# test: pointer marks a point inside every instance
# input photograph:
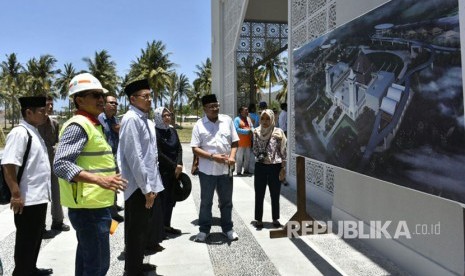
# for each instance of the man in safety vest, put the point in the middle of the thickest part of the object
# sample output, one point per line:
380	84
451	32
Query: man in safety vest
86	167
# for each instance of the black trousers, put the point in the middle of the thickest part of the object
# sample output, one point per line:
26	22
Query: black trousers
29	227
137	225
267	174
169	180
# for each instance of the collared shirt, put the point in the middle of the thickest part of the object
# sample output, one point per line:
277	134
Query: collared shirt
49	132
111	136
244	129
35	182
72	142
137	153
215	138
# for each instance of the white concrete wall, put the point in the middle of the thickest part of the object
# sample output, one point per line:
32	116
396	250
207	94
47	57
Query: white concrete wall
357	197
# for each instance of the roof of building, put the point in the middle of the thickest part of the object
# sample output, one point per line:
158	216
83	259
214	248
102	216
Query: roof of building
388	106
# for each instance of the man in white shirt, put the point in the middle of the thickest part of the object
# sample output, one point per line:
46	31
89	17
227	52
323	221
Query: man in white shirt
138	161
29	195
215	141
282	119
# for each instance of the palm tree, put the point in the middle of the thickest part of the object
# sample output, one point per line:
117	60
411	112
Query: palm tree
12	82
194	95
154	65
62	83
40	75
182	87
282	93
204	76
171	89
104	69
269	73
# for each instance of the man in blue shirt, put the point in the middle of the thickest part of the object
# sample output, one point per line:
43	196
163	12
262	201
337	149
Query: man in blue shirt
111	127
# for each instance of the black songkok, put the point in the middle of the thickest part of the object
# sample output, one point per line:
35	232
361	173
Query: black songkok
135	86
35	101
211	98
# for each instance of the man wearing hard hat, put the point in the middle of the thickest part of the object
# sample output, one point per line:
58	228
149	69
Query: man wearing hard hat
86	167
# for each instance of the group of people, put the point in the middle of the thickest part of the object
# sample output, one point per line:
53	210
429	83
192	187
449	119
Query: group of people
95	156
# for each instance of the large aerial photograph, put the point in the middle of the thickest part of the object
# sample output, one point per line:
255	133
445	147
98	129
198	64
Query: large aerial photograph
383	96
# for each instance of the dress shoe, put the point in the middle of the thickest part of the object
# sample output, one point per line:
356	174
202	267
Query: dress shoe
119	208
259	225
148	267
42	271
119	218
60	226
153	250
277	224
46	235
171	230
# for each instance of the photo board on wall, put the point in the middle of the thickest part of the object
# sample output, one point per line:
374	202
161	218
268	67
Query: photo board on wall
383	96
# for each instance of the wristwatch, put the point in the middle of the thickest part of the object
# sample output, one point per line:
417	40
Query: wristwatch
211	157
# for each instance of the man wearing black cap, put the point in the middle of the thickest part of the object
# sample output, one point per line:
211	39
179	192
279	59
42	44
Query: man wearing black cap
137	159
30	192
215	141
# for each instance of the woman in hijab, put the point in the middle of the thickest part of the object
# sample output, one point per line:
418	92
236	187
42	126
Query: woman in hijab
169	161
269	148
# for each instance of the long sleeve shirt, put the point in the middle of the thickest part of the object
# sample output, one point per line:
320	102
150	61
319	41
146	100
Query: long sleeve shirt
137	153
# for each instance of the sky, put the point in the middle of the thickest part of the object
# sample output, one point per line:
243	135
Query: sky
72	30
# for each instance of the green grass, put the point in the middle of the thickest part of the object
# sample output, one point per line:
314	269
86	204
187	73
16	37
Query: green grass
185	134
2	138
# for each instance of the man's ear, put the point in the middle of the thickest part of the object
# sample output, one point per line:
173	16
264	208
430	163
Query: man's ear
29	112
79	100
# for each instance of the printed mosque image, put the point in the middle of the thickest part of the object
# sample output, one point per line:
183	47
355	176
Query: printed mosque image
382	95
353	88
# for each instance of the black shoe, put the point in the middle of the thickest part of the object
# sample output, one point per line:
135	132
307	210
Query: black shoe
148	267
259	225
153	250
60	227
42	271
119	208
277	224
46	235
171	230
119	218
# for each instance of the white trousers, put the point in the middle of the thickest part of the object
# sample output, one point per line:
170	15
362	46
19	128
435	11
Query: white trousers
242	159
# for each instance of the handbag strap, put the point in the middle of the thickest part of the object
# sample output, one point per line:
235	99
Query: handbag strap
26	156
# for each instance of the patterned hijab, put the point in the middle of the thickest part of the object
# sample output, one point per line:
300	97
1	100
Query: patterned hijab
262	132
159	118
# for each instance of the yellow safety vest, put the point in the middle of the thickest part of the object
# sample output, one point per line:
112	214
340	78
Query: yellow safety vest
96	157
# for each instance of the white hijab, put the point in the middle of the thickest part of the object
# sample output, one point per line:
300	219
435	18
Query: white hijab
159	123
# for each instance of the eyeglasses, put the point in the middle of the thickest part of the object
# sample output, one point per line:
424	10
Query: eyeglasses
147	97
113	103
94	94
212	106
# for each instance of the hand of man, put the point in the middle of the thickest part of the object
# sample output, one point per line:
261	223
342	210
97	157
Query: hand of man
149	199
178	171
113	182
231	161
17	204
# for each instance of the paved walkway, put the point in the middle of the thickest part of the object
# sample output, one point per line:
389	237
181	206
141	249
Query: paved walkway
253	254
